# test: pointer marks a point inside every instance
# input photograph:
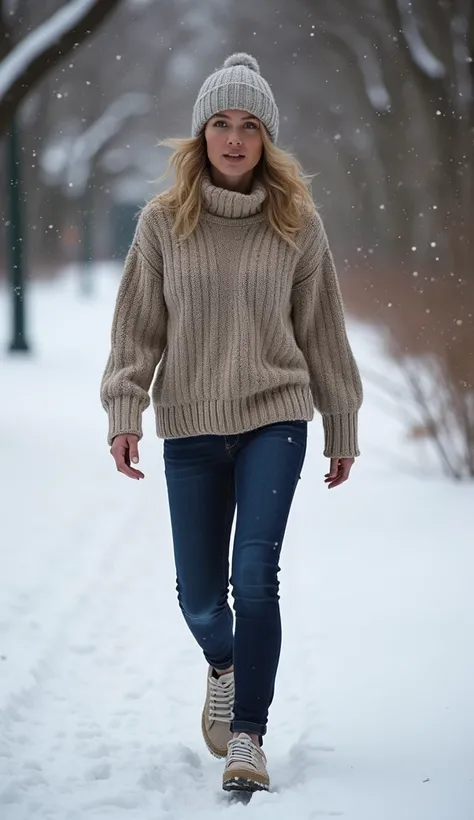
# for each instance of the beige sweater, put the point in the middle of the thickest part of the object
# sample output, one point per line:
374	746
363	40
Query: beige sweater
244	329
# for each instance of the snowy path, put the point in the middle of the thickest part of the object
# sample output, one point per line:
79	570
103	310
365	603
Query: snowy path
373	713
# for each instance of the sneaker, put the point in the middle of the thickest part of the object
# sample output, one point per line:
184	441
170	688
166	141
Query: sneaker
217	713
246	766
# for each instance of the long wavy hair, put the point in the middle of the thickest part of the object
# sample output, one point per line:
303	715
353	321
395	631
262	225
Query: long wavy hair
288	197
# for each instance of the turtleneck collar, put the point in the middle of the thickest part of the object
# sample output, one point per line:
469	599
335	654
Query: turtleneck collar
232	204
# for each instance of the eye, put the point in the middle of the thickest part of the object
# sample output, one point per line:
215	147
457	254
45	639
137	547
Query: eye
218	123
252	125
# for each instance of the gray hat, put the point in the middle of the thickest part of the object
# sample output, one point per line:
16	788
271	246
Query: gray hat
238	85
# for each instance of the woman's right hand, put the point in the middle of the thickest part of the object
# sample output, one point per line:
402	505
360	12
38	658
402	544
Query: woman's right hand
125	450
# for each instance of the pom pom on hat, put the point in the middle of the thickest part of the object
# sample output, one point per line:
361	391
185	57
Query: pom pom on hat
241	58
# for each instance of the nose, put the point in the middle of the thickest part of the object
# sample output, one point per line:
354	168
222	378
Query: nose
233	139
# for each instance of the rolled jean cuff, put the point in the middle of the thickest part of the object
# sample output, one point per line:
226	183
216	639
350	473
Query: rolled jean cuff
220	666
249	728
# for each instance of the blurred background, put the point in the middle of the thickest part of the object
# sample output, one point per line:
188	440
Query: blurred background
373	708
376	100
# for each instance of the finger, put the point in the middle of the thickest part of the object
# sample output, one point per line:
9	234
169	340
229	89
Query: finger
343	475
120	455
130	472
125	468
132	455
133	449
339	480
333	469
331	475
343	464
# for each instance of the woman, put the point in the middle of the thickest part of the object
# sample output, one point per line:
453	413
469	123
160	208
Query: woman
229	289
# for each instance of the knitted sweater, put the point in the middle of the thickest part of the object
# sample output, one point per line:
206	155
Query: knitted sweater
244	329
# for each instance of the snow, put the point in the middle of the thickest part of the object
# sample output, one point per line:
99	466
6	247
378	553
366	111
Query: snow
101	685
39	40
421	54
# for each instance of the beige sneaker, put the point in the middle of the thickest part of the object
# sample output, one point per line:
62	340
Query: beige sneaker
217	713
246	766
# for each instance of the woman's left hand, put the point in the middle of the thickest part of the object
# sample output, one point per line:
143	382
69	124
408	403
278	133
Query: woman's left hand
339	471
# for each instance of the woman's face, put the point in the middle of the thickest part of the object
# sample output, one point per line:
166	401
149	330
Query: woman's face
234	142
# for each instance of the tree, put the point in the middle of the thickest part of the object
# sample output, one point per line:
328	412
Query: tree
24	63
66	118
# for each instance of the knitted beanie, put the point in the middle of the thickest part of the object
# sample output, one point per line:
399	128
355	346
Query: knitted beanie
237	85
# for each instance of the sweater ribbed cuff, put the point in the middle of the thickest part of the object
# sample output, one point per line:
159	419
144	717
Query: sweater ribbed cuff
340	434
125	417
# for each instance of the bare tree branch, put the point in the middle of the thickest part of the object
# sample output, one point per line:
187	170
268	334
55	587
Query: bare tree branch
35	65
420	52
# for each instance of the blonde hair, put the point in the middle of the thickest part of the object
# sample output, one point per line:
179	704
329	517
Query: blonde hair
288	193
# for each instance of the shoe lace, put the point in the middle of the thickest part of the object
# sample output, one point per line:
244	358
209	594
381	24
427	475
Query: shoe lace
241	750
221	699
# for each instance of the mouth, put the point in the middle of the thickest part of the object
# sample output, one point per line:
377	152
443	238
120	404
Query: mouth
234	157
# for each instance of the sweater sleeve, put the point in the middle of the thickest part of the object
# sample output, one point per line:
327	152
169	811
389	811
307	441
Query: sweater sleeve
138	335
320	332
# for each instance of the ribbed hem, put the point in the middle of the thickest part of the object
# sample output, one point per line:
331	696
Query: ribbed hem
226	418
340	434
125	417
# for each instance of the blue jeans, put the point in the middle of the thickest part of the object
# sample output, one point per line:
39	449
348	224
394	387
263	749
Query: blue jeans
207	477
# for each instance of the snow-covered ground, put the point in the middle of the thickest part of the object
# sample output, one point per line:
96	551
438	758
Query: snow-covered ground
101	685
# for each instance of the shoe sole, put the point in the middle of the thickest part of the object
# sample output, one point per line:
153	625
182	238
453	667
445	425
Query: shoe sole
243	783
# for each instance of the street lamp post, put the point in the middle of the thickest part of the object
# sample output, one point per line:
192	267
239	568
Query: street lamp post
15	242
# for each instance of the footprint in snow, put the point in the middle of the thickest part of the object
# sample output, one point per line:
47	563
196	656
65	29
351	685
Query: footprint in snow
101	771
83	649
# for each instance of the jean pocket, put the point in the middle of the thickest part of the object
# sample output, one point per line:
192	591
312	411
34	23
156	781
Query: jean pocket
298	424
